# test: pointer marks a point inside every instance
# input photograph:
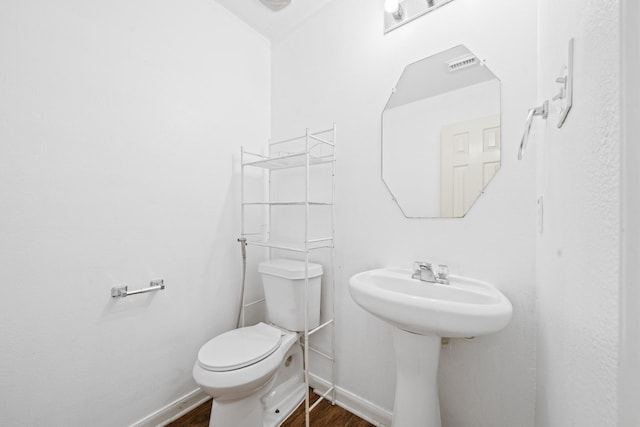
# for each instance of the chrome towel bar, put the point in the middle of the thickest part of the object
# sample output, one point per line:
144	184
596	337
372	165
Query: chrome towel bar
123	291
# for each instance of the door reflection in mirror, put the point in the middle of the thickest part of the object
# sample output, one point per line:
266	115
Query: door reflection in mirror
441	135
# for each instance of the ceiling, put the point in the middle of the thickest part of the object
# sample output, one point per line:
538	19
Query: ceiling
273	25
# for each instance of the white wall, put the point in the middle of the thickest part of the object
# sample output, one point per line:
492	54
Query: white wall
629	374
578	254
340	67
119	124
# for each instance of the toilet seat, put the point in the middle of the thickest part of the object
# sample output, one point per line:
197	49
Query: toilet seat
239	348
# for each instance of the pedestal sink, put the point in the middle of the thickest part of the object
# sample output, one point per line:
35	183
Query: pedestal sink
421	313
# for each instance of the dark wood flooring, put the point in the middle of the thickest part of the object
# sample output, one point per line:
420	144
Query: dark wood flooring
323	415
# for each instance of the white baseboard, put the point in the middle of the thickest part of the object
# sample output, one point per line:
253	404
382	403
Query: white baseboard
174	410
353	403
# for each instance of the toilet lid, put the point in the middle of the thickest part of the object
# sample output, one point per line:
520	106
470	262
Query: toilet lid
239	348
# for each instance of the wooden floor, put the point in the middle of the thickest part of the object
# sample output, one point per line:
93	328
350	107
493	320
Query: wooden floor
324	415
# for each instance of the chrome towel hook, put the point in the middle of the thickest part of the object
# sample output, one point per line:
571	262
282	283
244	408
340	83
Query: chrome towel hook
542	111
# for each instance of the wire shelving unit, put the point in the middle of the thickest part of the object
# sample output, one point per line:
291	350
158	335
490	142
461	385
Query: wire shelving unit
304	153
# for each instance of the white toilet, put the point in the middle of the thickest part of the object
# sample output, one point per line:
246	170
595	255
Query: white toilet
255	374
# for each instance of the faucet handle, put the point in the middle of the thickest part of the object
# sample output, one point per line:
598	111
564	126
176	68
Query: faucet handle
443	270
422	265
420	268
442	273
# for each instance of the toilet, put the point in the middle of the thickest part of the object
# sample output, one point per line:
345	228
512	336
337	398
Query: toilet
255	374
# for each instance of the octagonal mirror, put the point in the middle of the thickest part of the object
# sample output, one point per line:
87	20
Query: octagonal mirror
441	135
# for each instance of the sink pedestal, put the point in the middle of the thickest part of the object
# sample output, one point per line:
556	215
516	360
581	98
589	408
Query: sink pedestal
416	402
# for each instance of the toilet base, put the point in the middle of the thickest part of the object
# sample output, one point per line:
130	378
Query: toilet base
276	415
251	412
271	404
245	412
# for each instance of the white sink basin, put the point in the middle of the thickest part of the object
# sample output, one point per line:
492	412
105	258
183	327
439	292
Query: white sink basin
421	313
463	308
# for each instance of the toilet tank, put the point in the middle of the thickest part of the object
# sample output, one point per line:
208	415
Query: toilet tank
283	282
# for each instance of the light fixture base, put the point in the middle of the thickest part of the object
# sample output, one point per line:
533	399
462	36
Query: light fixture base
408	10
276	5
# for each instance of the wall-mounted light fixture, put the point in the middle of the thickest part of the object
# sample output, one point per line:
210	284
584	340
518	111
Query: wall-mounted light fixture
394	8
276	5
398	13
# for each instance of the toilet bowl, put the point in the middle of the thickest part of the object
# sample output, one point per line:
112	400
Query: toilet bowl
255	374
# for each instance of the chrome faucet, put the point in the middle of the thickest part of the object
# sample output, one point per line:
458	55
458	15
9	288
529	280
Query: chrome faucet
425	271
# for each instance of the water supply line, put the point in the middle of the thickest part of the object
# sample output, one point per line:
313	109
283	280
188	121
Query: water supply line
243	249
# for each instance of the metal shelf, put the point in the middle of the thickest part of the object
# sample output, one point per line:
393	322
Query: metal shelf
302	152
288	161
308	153
289	203
323	242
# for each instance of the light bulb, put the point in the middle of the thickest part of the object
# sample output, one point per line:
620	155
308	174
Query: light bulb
391	6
